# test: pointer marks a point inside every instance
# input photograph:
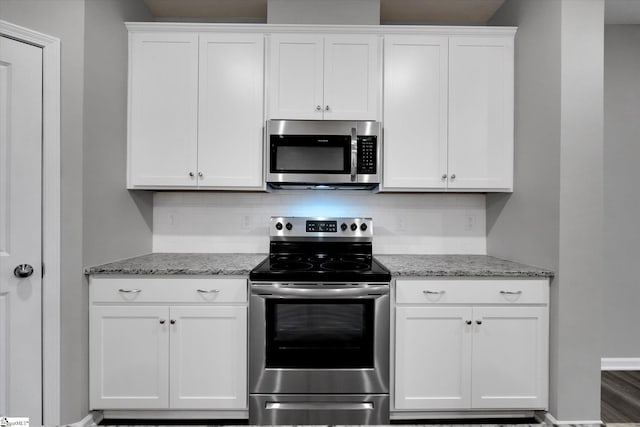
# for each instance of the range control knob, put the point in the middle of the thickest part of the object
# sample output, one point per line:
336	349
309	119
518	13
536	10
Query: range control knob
279	226
363	227
343	227
289	226
354	227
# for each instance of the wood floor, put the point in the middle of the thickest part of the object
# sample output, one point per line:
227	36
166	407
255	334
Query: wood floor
620	401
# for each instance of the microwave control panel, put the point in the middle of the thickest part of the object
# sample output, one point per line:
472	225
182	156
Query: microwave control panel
367	155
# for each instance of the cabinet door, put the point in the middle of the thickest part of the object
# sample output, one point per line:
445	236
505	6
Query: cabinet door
295	76
433	365
230	110
510	358
129	349
481	113
415	112
352	77
163	109
209	357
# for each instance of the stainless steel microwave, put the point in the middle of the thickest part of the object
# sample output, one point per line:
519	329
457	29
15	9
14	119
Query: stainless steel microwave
323	154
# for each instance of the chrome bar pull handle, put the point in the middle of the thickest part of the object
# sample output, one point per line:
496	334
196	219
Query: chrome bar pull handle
511	292
318	406
130	291
354	153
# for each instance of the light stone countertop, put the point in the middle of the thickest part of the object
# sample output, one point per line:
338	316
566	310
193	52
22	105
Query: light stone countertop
242	264
182	263
458	266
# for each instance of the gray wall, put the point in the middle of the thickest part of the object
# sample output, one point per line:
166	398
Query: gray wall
65	19
116	223
99	221
347	12
621	290
554	216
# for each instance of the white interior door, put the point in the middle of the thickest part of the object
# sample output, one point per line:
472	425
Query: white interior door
20	230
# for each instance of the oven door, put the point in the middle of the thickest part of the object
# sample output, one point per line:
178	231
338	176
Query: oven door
307	338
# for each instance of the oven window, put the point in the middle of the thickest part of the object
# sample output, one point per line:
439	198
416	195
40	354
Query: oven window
319	334
307	154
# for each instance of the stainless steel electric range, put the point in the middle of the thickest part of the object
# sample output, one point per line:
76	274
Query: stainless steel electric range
319	325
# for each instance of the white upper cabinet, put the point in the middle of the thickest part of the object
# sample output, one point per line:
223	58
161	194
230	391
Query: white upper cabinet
163	109
415	112
448	112
481	113
295	85
195	110
231	110
324	77
197	103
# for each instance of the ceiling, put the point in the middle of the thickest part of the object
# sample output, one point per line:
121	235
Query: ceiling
467	12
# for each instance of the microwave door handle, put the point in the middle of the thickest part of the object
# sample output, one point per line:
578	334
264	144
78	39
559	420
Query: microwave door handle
354	153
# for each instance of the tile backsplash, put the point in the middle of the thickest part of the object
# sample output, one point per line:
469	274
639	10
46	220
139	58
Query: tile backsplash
238	222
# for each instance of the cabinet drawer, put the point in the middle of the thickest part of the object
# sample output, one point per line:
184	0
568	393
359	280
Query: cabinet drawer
472	291
165	289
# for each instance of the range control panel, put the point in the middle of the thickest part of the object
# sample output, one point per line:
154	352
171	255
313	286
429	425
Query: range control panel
338	228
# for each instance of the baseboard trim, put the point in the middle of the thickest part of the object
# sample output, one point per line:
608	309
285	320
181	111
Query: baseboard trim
620	363
550	419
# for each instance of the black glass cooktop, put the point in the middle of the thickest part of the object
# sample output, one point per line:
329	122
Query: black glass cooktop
320	262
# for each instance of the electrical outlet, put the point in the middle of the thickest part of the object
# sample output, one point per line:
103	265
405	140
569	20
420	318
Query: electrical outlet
245	223
469	222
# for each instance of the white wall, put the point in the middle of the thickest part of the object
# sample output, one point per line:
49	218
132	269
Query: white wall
621	287
554	217
238	222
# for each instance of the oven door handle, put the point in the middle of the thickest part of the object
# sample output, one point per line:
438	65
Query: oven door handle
319	406
369	291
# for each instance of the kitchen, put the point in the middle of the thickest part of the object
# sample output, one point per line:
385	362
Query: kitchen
527	226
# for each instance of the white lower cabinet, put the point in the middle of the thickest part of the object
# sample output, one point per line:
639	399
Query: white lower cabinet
471	345
149	353
129	357
208	358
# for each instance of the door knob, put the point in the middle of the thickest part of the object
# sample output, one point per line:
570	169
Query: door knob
22	271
